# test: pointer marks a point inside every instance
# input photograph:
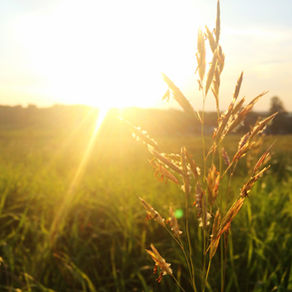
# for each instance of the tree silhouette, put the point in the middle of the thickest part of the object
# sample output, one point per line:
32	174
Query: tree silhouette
280	124
277	106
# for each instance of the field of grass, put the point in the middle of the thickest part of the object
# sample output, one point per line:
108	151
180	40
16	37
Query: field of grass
98	241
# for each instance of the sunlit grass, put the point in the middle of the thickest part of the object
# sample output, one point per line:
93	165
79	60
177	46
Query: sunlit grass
105	226
61	213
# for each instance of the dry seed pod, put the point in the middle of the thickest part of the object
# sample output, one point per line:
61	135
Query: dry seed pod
185	172
216	224
254	151
237	87
231	213
216	86
162	173
238	106
262	160
199	200
152	213
225	118
166	95
159	263
224	225
179	97
221	59
225	157
213	180
200	204
249	107
166	161
230	119
211	72
245	142
217	29
248	186
214	236
260	126
211	39
173	224
236	118
222	122
201	55
143	135
230	112
216	79
194	168
240	152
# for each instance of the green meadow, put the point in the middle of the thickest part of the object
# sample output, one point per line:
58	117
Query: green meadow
71	218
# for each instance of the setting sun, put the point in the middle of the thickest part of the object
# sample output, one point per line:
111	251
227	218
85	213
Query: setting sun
139	141
108	53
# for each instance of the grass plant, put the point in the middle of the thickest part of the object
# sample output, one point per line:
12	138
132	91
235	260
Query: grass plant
204	194
101	245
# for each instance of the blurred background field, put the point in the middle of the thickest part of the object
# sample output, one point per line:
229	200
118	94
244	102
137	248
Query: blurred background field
71	175
102	235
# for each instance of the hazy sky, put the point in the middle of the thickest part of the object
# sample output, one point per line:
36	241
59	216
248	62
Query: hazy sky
111	53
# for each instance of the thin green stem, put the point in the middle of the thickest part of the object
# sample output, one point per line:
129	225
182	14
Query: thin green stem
180	244
204	255
222	261
189	244
177	283
207	275
232	261
204	178
222	265
203	136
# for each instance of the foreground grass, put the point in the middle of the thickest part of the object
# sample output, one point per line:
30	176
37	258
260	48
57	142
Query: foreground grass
100	243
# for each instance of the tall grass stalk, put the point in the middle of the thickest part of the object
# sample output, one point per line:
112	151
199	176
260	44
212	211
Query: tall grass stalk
202	185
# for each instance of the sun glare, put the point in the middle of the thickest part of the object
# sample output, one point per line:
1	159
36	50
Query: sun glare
106	54
63	208
110	53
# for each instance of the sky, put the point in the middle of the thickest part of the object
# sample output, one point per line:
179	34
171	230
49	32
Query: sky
111	53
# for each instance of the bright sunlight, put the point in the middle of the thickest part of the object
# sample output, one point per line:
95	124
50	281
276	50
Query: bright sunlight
107	55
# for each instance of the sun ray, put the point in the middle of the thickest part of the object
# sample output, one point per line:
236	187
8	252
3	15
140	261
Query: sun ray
61	213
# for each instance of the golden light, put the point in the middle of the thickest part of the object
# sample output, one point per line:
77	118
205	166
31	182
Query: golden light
107	54
110	53
64	206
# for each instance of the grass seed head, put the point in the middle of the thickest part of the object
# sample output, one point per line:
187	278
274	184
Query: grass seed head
201	55
186	179
179	97
211	72
201	208
166	161
262	160
218	28
248	186
225	157
173	224
211	39
221	59
237	87
194	168
152	213
216	86
213	180
159	263
162	173
142	135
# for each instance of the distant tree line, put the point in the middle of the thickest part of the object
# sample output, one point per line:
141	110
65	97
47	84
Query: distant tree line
155	121
58	117
282	123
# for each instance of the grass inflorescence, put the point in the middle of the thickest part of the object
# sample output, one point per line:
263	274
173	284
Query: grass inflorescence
206	185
